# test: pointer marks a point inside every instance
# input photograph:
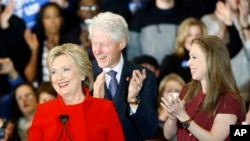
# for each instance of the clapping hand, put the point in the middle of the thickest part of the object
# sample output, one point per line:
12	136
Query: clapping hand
135	84
98	89
174	106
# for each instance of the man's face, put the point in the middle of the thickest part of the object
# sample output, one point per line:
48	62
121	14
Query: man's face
106	50
87	9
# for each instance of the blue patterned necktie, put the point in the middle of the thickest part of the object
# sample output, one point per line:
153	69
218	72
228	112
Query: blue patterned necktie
113	84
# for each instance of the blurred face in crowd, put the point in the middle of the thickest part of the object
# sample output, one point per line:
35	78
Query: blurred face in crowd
172	86
45	96
87	9
52	20
65	77
106	50
197	62
195	31
26	99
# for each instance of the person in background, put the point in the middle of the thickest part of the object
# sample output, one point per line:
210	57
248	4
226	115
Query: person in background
14	56
171	83
46	92
131	88
189	29
74	114
86	10
24	108
47	33
14	79
153	29
68	8
233	15
148	62
210	101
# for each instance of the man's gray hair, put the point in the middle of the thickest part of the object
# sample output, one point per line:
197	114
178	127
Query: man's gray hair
113	24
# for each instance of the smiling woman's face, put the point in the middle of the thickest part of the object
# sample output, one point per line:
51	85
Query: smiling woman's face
197	62
65	76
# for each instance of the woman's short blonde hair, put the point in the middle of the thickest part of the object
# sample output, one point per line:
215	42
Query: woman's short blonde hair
78	56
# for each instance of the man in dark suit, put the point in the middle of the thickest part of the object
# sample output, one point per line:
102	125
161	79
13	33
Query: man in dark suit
135	96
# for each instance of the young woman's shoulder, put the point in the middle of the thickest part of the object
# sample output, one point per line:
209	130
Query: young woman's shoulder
229	104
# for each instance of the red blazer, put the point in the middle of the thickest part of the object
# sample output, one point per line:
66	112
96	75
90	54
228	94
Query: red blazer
92	120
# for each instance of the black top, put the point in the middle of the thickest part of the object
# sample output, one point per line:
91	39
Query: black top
13	45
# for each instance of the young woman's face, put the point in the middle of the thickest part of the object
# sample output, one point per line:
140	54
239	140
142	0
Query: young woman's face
26	99
197	63
52	20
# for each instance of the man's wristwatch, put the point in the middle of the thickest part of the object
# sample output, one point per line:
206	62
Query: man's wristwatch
136	102
186	123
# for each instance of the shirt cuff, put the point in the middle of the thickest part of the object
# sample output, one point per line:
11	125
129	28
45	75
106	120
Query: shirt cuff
133	109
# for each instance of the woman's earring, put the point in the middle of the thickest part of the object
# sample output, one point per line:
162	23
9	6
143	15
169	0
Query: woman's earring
82	79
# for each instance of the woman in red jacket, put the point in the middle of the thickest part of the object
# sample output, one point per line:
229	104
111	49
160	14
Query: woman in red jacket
74	114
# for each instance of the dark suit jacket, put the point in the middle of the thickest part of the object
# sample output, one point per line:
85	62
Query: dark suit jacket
144	123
